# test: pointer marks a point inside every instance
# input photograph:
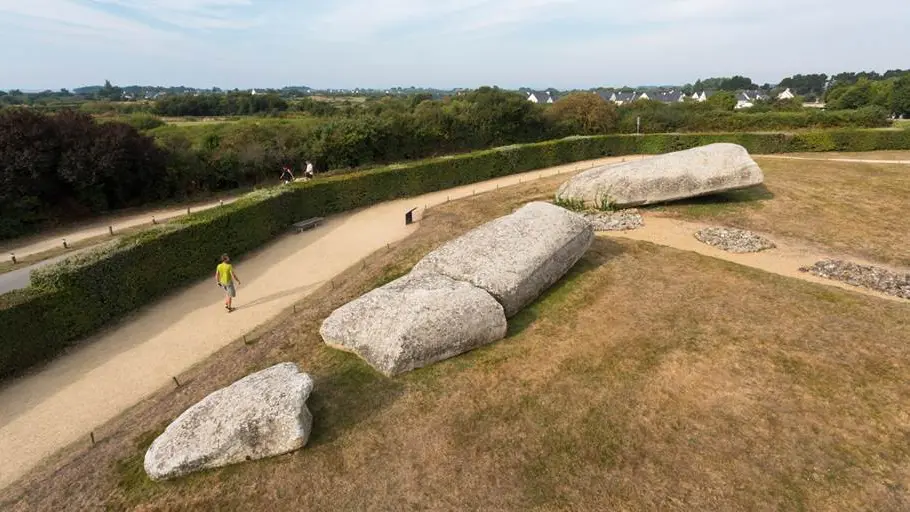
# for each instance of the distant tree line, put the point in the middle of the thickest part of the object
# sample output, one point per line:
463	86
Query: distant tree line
231	104
891	94
69	165
62	165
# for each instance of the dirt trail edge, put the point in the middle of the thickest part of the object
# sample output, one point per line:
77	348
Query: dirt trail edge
786	259
64	401
99	227
849	160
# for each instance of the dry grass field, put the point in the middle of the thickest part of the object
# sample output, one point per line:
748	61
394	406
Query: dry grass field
869	155
852	208
647	379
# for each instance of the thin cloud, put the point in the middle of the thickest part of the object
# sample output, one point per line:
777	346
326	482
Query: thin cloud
61	15
193	14
349	43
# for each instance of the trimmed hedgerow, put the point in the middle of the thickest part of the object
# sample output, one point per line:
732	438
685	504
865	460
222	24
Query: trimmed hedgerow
72	299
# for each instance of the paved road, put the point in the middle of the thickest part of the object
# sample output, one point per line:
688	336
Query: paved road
17	279
97	380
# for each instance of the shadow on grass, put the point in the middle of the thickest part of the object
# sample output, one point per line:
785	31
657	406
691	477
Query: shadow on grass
600	253
746	195
347	395
131	477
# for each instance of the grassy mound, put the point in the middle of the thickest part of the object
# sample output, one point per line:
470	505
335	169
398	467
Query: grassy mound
647	379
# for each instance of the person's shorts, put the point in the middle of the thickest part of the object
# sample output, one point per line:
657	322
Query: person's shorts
229	290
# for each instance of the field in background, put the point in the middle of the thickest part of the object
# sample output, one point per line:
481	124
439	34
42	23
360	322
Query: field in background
647	379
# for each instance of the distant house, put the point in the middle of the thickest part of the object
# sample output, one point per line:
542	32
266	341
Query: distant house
786	95
671	96
743	101
622	98
747	99
541	97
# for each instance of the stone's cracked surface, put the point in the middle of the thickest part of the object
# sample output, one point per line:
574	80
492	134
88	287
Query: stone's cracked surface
261	415
694	172
415	321
866	276
458	297
623	220
516	257
734	240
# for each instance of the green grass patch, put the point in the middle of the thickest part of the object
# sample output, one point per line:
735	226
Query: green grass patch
132	480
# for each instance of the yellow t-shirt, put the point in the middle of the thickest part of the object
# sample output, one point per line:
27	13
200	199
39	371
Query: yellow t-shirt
224	273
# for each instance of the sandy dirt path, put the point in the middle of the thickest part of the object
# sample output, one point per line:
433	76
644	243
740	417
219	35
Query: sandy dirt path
65	400
99	227
848	160
786	259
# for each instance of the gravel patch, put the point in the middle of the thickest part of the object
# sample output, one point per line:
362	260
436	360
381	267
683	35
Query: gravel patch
623	220
873	278
734	240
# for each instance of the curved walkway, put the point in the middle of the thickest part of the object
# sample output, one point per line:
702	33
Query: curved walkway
848	160
63	401
99	227
786	259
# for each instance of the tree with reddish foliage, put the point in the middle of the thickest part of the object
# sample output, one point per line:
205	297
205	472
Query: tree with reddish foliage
55	166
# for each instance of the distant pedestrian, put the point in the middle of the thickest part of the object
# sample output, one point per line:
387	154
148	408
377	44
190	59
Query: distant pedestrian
309	170
286	175
225	277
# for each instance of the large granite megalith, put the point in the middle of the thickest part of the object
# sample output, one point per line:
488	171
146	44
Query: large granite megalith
414	321
517	257
261	415
694	172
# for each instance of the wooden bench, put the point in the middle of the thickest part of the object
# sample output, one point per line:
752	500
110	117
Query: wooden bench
308	224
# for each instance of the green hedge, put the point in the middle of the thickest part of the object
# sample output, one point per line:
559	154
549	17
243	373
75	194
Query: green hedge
72	299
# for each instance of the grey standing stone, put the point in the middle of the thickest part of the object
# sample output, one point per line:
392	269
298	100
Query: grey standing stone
415	321
694	172
517	257
261	415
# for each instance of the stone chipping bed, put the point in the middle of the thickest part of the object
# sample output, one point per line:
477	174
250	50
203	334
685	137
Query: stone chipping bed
623	220
734	240
865	276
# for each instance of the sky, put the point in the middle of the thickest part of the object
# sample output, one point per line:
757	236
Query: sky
566	44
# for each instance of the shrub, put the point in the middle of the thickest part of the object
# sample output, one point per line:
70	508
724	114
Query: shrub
696	118
569	203
143	122
79	295
54	166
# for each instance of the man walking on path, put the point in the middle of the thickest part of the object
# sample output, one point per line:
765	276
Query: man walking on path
225	277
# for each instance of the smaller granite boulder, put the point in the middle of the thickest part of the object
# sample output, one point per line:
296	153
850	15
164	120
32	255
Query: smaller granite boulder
517	257
261	415
694	172
415	321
